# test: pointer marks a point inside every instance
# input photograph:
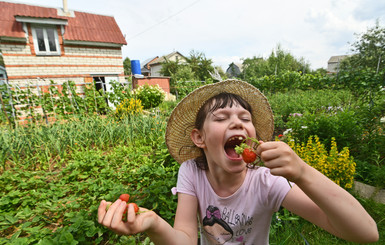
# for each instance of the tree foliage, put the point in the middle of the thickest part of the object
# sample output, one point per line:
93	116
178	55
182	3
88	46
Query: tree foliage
196	68
127	66
364	71
368	49
279	62
200	65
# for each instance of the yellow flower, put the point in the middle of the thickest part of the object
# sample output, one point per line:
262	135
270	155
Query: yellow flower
338	166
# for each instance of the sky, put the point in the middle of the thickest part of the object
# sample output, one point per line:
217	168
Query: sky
227	31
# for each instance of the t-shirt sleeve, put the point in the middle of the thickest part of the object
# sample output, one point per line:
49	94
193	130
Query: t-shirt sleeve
187	178
278	187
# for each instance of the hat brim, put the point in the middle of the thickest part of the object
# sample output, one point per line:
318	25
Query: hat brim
182	118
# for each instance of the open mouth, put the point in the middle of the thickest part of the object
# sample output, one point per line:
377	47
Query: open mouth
231	143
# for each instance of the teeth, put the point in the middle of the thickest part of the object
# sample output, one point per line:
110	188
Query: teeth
240	138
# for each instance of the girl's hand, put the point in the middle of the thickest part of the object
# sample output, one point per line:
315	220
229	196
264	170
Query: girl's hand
281	159
113	218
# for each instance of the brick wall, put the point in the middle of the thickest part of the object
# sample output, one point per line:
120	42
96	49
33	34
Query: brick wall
163	82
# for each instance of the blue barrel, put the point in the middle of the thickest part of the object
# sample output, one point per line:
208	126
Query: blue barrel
135	67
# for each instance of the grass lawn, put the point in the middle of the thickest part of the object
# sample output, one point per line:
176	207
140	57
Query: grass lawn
303	232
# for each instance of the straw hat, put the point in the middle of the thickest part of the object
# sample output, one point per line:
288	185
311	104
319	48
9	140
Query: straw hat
182	119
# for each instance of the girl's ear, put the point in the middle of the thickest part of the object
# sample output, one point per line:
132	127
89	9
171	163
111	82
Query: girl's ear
197	137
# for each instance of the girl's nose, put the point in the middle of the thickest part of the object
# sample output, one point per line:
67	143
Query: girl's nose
237	123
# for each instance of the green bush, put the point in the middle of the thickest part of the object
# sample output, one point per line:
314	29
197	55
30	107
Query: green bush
183	88
151	96
298	101
332	122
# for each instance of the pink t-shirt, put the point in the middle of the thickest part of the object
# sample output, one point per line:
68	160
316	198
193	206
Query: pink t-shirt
242	218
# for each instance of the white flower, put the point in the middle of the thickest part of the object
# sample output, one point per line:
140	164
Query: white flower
382	120
288	131
304	127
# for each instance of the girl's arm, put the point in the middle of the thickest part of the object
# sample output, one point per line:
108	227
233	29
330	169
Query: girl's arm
317	198
185	230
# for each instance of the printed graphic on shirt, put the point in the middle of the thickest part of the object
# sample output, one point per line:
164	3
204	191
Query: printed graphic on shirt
218	231
216	225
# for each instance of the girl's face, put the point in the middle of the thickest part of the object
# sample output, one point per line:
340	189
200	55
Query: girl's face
222	129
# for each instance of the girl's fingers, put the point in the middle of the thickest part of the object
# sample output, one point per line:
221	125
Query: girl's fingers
131	215
118	215
102	210
107	219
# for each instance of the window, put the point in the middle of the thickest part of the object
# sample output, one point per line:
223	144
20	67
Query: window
45	40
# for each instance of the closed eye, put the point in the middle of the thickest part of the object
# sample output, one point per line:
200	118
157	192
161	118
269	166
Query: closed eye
219	117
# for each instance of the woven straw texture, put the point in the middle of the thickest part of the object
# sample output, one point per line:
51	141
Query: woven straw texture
182	118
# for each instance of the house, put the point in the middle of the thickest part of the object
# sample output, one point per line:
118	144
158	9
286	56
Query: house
40	44
334	63
156	64
234	70
145	67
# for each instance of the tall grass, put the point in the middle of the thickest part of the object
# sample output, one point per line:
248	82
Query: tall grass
42	146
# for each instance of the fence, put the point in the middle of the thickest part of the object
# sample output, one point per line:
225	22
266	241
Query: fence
37	102
43	103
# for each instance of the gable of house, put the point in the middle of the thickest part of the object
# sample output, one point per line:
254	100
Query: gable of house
334	62
234	69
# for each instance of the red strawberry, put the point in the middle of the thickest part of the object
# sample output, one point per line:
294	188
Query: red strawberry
249	155
124	197
136	208
247	152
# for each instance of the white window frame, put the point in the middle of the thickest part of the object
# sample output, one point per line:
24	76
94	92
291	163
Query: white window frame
46	42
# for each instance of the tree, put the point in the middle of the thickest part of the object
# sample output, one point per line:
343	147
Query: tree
279	62
368	50
197	67
255	67
364	71
200	65
127	66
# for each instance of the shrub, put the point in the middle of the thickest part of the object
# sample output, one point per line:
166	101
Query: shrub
128	107
337	166
334	122
151	96
298	101
183	88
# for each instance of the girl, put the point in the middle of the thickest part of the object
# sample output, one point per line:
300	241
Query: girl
233	201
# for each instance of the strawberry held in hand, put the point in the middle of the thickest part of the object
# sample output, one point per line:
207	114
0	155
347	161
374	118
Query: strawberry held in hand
124	197
248	154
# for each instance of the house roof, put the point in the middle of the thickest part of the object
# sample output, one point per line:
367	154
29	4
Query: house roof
337	58
82	27
147	62
163	58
